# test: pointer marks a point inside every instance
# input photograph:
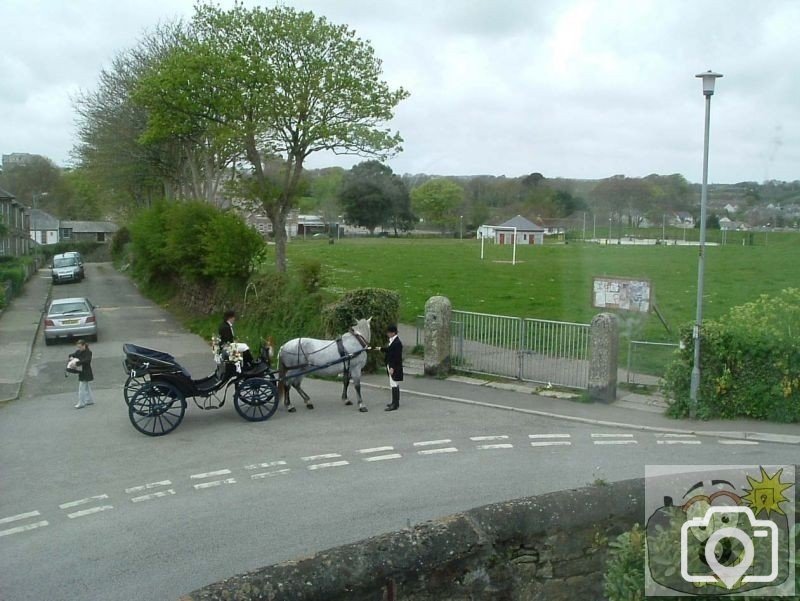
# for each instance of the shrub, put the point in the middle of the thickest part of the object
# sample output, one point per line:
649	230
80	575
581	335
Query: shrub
750	363
85	247
13	271
121	238
380	304
191	240
229	247
624	578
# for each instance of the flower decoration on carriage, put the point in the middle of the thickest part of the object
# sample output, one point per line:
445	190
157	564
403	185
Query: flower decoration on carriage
235	355
216	349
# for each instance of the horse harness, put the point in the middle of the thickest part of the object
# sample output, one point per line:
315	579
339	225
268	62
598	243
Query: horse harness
344	356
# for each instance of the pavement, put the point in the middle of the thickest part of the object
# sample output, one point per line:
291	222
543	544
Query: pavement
19	326
20	323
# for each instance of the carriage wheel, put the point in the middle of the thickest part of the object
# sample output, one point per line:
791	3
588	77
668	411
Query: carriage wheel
132	385
256	399
157	408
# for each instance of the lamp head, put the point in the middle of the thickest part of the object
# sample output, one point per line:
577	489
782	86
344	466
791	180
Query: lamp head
709	77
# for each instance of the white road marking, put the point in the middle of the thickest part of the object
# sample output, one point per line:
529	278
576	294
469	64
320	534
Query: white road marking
616	442
320	466
90	511
24	528
552	443
427	443
612	435
154	495
486	447
82	501
375	450
549	435
214	483
148	486
270	474
667	435
486	438
316	457
210	474
258	466
383	457
435	451
738	442
678	441
20	516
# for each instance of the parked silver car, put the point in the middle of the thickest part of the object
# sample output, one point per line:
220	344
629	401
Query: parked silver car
68	318
66	268
79	258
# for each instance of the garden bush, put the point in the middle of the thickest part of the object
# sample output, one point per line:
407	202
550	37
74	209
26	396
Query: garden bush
382	305
118	243
624	578
13	271
191	240
750	363
85	247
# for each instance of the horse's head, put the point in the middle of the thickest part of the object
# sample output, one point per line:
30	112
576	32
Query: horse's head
362	329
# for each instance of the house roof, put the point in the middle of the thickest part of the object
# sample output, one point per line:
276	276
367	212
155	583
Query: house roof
40	220
90	227
6	195
522	224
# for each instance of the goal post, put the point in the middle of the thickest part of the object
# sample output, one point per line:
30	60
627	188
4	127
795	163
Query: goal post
513	242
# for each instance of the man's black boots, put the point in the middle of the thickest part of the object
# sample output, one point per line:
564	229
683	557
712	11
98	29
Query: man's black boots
395	400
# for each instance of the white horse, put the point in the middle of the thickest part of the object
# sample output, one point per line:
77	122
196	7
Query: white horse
346	355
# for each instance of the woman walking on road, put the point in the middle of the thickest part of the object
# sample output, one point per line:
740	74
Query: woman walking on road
84	357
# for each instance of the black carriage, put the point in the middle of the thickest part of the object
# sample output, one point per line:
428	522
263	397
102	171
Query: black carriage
158	386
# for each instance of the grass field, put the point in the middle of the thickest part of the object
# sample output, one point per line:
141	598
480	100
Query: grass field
554	281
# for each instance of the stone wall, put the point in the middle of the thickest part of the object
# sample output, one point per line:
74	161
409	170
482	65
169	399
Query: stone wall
201	299
551	547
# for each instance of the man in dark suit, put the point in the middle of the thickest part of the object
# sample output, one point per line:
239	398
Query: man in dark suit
226	329
393	358
226	335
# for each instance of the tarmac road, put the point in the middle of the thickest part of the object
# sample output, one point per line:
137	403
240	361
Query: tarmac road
91	509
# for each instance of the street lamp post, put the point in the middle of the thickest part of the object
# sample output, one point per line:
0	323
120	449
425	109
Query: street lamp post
709	78
461	226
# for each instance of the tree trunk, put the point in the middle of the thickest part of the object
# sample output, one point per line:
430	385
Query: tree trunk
278	218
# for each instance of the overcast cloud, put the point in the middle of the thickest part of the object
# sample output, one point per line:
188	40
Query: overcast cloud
583	89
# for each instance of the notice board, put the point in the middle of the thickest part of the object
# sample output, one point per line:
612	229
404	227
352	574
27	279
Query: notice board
625	294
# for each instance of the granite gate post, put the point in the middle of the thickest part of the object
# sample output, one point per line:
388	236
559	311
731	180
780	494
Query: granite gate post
603	356
438	317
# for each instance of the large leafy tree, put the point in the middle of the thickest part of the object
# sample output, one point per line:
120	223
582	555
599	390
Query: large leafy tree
277	83
371	195
111	124
437	202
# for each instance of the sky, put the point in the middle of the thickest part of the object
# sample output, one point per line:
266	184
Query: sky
578	89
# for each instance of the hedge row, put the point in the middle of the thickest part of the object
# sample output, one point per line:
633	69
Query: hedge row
750	363
192	239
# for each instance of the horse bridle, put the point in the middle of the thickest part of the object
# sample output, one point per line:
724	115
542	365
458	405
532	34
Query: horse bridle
361	340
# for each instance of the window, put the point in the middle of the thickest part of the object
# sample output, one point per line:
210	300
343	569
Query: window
101	236
66	233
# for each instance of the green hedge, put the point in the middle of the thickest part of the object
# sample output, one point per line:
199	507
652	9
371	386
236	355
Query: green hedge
625	570
85	247
382	305
750	363
193	240
13	271
624	578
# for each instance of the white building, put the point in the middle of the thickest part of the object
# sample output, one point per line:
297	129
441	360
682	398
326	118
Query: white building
527	232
